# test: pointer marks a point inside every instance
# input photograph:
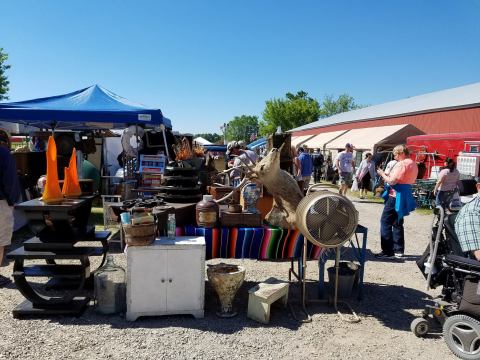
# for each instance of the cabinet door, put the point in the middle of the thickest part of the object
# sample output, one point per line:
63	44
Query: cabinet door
186	273
148	280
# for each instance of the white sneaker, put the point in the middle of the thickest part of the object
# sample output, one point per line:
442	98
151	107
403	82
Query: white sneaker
399	255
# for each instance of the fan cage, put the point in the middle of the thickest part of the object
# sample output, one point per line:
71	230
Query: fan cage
326	219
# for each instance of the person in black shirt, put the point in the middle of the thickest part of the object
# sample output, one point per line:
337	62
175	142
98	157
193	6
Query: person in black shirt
318	160
9	194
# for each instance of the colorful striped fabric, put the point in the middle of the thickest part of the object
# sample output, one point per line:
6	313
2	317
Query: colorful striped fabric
263	243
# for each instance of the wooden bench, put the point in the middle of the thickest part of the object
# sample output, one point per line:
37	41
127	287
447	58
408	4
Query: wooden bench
263	295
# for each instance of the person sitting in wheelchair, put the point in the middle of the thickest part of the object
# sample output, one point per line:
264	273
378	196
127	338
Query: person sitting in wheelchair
456	268
467	225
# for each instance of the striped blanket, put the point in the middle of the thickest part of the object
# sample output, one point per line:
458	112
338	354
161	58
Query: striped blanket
262	243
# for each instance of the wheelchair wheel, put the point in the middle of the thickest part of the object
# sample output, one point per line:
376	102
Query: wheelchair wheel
420	327
462	335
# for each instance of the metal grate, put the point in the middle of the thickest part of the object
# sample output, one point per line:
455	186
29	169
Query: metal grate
326	219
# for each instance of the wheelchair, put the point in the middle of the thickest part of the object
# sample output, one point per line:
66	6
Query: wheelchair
457	308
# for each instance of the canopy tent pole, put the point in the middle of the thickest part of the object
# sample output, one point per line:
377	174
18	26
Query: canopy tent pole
162	127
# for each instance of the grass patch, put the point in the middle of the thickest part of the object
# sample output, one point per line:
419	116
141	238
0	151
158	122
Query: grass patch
96	216
424	211
369	196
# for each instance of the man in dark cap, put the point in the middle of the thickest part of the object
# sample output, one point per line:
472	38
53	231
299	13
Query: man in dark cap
9	194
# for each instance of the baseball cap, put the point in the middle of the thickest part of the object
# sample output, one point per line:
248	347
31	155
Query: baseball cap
348	145
230	146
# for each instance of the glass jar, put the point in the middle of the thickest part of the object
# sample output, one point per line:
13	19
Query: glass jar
110	288
171	226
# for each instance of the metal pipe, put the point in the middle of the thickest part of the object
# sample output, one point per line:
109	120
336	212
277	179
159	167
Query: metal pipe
433	254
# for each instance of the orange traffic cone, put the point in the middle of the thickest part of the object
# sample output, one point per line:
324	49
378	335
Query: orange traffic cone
52	193
71	186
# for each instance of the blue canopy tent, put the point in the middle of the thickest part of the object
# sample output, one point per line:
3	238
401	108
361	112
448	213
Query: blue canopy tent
257	143
91	108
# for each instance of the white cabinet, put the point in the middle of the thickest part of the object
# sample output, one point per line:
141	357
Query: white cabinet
167	277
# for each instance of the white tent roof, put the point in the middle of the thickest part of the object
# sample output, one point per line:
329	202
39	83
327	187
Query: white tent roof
201	141
298	140
318	141
368	138
460	97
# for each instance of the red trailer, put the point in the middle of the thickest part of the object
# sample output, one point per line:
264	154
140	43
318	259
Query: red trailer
430	152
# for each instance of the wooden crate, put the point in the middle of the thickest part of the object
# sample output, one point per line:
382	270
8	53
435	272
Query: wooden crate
240	219
219	192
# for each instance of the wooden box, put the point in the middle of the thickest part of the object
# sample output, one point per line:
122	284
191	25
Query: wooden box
240	219
219	192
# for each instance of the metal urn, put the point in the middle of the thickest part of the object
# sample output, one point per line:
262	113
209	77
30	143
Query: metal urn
226	280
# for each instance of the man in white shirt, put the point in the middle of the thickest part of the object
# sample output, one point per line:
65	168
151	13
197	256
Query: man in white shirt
241	157
346	167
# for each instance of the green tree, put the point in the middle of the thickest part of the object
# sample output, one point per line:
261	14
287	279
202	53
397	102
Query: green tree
212	137
343	103
242	128
3	78
293	111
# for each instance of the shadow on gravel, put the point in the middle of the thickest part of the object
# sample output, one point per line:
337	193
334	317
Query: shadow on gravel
280	317
389	304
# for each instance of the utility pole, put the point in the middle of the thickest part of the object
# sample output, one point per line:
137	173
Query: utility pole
224	128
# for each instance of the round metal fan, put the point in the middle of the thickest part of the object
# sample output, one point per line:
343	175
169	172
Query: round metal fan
328	220
132	140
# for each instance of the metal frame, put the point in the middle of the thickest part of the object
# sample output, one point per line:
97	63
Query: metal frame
358	252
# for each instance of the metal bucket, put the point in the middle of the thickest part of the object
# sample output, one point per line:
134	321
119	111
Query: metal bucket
347	273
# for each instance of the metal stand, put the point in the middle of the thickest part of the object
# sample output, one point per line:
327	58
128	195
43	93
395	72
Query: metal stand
302	279
359	253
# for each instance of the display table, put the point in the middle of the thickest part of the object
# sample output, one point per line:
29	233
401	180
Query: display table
167	277
271	243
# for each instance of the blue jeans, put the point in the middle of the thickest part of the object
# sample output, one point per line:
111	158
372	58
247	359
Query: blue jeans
441	198
391	229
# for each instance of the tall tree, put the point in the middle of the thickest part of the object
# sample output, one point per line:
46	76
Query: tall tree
243	127
212	137
3	78
293	111
343	103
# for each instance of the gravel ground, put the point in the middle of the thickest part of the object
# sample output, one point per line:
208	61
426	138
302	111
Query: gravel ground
393	296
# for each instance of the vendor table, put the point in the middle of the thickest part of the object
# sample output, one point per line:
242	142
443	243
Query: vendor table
262	243
271	243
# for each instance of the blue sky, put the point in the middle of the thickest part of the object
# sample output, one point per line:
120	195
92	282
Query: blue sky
204	62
